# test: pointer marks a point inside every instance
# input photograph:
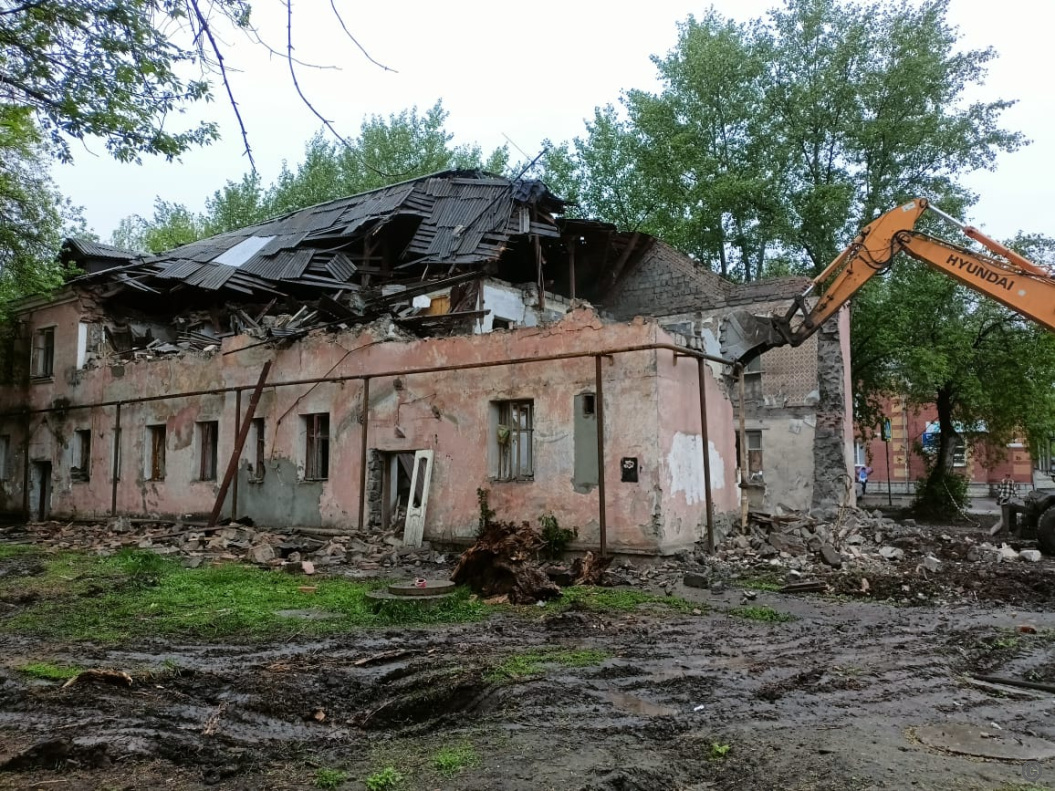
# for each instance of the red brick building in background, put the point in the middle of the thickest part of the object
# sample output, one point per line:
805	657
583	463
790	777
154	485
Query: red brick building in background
913	428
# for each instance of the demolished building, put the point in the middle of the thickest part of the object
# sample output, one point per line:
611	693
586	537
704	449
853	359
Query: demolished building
413	345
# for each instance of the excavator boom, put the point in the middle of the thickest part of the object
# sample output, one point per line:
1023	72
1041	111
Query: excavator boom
1010	279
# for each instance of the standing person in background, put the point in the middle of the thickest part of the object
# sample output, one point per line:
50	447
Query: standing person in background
862	478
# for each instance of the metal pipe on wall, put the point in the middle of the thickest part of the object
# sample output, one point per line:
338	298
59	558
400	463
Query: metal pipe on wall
706	443
116	471
25	466
362	454
237	431
599	406
744	463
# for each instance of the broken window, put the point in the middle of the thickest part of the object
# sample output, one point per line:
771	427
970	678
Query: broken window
754	451
156	450
589	404
502	324
44	352
208	432
5	449
753	379
317	447
81	464
514	436
256	468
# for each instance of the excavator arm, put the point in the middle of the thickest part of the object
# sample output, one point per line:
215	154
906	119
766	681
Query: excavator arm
1010	279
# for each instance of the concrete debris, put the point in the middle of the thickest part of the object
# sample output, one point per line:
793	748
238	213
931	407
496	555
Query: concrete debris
932	564
1030	555
193	545
831	556
1008	554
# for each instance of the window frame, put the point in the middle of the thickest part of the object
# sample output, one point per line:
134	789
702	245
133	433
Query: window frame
156	451
316	446
511	459
81	457
259	450
754	452
42	364
208	449
753	379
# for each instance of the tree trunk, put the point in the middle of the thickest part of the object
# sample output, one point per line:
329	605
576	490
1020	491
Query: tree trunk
947	435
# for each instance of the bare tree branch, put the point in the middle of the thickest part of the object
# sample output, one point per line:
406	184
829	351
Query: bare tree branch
207	31
336	13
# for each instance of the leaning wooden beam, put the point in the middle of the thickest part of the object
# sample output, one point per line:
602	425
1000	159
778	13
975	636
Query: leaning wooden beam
239	443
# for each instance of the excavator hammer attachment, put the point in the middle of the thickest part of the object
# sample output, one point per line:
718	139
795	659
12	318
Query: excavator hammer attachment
744	335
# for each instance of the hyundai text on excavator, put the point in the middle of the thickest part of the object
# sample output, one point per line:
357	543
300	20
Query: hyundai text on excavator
1006	276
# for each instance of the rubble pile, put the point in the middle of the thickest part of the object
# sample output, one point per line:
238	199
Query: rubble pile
856	537
297	550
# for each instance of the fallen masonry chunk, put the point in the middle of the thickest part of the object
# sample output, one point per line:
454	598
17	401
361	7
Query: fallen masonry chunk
1030	555
694	580
831	556
793	545
262	553
892	553
1007	554
932	564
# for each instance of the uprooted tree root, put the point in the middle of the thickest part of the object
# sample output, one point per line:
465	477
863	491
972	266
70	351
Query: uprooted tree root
502	563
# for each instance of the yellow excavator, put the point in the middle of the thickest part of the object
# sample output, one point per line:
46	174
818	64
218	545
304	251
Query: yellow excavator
1004	275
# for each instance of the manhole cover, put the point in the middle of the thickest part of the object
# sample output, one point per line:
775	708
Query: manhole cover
985	742
429	588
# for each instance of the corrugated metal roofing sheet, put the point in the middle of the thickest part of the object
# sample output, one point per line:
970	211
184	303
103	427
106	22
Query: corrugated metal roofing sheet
465	218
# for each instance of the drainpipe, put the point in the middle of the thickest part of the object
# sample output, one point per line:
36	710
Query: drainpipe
743	449
600	456
115	469
362	454
25	468
705	441
237	431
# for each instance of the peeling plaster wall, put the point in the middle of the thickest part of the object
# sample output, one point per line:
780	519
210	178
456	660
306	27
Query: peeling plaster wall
800	469
648	403
681	493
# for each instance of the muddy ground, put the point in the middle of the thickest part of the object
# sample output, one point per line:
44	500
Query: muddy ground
831	700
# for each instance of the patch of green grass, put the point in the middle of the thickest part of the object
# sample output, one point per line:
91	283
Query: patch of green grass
449	761
717	751
330	778
619	599
765	614
387	779
531	663
139	594
48	671
760	582
13	550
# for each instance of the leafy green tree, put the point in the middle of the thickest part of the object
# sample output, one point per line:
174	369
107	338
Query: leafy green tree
989	372
32	214
776	139
110	69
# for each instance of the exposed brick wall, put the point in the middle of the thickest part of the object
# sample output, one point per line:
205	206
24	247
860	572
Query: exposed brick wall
663	282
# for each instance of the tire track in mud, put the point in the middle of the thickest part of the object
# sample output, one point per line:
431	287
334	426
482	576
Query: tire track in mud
217	709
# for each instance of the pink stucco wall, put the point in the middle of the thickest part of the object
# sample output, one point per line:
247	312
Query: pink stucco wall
651	413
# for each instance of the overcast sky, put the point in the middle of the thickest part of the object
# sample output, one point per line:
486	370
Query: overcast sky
527	71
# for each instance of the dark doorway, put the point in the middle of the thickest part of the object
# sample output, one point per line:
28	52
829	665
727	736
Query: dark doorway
395	494
40	490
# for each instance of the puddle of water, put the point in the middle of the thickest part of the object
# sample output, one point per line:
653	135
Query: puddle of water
635	705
